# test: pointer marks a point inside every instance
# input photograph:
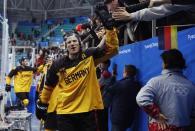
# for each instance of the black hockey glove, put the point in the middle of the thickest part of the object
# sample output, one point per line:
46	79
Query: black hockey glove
7	88
41	110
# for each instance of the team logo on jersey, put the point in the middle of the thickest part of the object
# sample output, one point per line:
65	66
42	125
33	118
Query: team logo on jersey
76	76
83	56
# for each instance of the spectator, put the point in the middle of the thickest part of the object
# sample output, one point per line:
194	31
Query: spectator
105	81
149	14
136	29
160	2
165	15
169	99
41	57
123	94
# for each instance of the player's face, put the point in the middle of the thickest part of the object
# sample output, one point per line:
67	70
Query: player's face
73	46
25	62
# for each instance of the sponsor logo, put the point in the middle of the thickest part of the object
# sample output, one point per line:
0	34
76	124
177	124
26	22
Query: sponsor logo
125	51
191	37
151	45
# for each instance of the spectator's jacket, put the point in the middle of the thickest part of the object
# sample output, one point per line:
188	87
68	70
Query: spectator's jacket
183	2
124	106
170	94
76	85
105	81
158	12
22	78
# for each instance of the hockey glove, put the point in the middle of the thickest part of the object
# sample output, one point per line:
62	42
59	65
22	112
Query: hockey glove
41	110
7	88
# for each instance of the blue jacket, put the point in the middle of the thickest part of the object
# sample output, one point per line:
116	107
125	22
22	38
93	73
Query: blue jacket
173	94
123	106
106	82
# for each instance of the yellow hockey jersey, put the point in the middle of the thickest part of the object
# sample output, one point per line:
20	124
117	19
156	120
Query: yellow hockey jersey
22	78
76	85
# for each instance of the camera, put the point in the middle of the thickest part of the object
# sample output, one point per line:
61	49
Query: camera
105	17
87	34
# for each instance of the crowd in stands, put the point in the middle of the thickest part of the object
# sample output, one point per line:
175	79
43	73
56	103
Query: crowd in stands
34	31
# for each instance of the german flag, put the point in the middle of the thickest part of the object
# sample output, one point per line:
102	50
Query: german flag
167	38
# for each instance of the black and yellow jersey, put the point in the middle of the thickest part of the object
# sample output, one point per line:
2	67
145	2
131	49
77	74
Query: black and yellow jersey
77	89
76	86
22	78
41	81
